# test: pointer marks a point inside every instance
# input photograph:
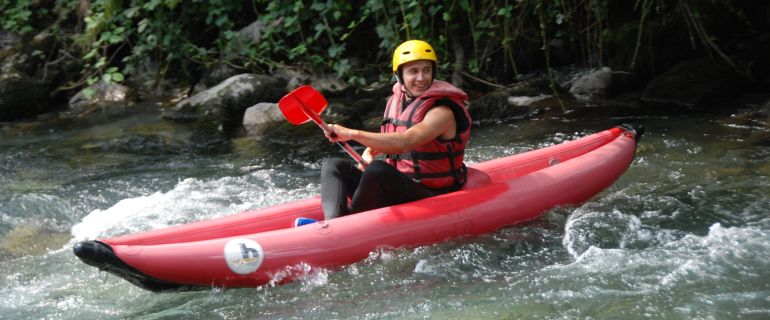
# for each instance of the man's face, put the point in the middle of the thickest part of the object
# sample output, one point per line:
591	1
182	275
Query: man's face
417	76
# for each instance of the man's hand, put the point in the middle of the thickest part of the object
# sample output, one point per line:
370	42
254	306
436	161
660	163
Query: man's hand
338	133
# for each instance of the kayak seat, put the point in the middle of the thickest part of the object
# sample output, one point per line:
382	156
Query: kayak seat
476	178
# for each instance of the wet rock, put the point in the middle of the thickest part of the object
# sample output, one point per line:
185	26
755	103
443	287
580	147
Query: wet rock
699	84
592	86
756	119
517	101
765	109
102	95
219	110
262	117
525	101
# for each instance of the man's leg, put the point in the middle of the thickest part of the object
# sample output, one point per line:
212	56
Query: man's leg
339	180
382	185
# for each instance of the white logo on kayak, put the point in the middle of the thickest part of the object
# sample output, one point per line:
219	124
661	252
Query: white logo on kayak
243	256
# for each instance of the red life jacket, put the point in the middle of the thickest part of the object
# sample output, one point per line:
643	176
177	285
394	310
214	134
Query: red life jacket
438	164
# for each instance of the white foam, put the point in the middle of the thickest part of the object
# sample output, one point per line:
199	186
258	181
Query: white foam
724	255
190	200
586	229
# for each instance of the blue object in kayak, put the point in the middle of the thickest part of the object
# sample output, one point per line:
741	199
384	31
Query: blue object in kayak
303	221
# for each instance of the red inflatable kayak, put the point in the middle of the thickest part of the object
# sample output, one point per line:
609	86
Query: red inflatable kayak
260	247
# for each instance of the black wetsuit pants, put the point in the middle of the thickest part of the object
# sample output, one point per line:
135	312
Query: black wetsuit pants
380	185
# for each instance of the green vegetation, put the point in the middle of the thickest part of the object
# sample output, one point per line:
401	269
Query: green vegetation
487	41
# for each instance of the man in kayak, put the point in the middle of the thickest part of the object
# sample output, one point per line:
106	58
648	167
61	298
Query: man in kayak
423	136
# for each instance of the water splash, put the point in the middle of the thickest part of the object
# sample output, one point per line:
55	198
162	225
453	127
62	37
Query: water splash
692	277
190	200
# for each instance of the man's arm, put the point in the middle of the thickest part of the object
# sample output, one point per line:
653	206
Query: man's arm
439	122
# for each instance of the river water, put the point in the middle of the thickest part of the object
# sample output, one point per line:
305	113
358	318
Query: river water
684	234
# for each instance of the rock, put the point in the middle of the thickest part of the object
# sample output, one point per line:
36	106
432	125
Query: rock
699	84
21	96
507	103
251	34
219	110
145	79
136	144
45	42
526	101
102	94
764	110
31	72
294	77
261	117
8	39
330	84
216	74
592	86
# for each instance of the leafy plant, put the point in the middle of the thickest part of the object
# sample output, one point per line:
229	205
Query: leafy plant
487	41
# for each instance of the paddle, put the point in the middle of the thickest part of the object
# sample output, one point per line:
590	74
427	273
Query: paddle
305	103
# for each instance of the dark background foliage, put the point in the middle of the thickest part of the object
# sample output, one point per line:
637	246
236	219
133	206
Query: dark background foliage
479	42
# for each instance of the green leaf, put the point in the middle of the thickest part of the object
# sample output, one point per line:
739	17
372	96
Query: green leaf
341	67
117	77
560	19
102	61
90	54
297	51
222	20
336	50
143	25
115	39
505	11
89	93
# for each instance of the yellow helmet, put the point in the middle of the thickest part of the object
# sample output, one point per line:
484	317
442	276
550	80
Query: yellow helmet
413	50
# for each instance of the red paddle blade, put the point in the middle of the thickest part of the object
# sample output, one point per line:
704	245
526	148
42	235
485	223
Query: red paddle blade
291	104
